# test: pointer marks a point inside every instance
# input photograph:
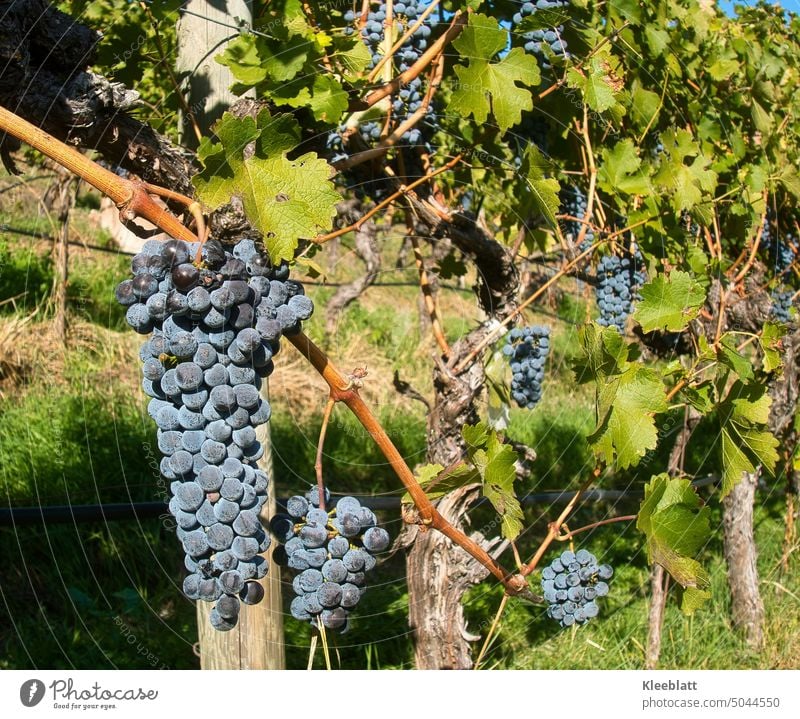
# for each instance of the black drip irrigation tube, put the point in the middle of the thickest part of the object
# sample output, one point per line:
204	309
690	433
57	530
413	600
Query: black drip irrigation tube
81	513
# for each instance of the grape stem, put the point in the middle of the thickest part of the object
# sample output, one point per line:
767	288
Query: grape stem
407	34
496	333
381	205
570	534
458	23
515	584
320	445
130	196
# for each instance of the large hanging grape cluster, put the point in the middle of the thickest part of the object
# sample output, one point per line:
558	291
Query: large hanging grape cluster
332	552
544	44
215	325
782	256
618	281
527	349
571	584
574	203
409	99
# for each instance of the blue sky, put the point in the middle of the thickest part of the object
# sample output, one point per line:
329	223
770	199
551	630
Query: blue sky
793	5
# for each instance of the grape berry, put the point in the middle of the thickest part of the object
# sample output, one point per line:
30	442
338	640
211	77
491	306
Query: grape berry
571	584
214	328
527	349
332	551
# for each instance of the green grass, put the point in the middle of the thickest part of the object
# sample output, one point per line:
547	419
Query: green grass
108	595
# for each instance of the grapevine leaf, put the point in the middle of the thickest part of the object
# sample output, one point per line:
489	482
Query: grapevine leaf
620	170
745	442
626	407
596	85
543	19
686	181
730	357
676	527
693	599
770	342
436	481
481	38
496	466
484	87
790	180
628	395
543	190
699	397
253	60
498	394
284	199
494	462
669	303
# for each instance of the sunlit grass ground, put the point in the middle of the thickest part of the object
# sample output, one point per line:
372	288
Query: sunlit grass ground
73	430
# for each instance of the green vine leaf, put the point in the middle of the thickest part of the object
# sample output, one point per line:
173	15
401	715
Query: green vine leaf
745	443
494	462
628	395
284	199
669	302
484	87
543	190
676	526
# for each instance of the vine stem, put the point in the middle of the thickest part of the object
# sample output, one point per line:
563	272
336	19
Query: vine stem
407	34
342	390
570	534
428	298
129	196
388	201
495	334
326	417
554	529
410	122
404	78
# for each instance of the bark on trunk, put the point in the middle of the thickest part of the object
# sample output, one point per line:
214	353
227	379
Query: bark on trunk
59	199
438	575
747	609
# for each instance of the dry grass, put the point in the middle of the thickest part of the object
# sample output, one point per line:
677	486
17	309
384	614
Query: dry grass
31	350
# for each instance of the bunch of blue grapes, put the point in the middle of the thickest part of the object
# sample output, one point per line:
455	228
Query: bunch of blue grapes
214	324
544	44
574	203
782	305
618	281
527	349
332	551
409	99
571	584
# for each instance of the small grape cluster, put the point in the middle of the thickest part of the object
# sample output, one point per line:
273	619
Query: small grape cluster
216	323
782	305
571	583
618	281
409	99
574	203
332	551
544	44
782	252
527	349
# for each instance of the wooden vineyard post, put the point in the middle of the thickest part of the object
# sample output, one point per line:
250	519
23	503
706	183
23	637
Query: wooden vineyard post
257	640
203	32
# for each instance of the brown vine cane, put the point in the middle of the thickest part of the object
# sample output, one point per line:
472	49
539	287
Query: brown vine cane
134	200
